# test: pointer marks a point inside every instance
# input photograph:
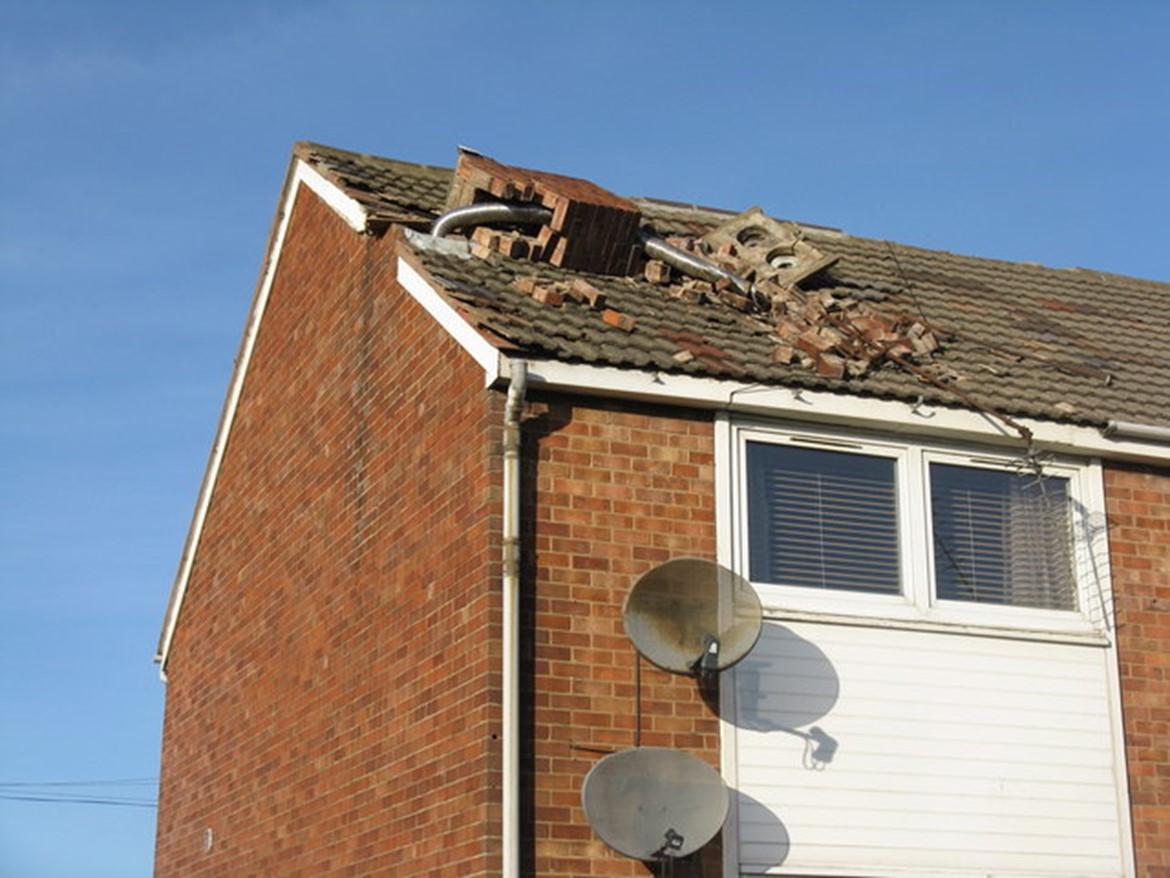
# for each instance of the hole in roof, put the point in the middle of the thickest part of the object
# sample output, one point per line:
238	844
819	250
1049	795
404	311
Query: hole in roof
781	259
752	236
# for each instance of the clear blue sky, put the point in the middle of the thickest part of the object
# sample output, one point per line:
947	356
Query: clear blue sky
144	146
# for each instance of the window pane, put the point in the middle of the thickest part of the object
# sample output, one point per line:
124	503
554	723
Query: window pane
822	519
1002	538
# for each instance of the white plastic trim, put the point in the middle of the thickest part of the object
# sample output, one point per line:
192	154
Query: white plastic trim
480	349
341	204
833	409
355	216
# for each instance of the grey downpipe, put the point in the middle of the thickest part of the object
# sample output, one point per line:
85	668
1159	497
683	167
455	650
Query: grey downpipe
688	263
488	213
510	731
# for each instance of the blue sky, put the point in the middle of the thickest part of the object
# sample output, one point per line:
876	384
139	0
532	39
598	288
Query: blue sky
145	143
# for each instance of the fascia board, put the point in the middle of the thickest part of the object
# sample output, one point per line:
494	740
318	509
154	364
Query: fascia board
354	215
834	408
480	349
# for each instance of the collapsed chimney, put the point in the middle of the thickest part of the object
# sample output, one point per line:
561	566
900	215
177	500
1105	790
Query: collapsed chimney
591	229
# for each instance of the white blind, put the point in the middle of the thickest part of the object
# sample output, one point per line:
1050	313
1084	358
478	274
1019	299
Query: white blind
822	519
1002	537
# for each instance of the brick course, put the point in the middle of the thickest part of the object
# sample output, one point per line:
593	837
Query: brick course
332	699
613	490
1138	504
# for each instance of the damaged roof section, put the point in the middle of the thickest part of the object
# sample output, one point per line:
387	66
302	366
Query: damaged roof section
756	265
824	309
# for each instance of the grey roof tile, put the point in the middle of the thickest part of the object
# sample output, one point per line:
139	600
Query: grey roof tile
1072	345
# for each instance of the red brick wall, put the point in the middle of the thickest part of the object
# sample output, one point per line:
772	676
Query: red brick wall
614	490
1138	502
331	701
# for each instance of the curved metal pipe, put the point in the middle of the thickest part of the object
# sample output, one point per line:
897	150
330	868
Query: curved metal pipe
689	263
491	212
488	213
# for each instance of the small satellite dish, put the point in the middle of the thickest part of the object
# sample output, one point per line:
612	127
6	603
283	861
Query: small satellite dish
653	803
692	616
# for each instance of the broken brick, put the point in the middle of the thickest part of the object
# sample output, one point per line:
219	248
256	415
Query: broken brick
735	300
812	343
687	294
783	353
582	290
486	236
657	272
618	319
830	366
548	296
513	246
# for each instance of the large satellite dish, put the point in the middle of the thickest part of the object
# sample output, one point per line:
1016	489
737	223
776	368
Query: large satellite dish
692	616
653	803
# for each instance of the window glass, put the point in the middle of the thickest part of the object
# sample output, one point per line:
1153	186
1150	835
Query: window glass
1001	537
822	519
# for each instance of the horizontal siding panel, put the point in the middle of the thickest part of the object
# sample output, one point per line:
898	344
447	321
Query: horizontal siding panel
945	751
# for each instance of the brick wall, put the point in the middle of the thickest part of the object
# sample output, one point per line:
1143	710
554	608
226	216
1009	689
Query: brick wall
331	701
613	490
1138	501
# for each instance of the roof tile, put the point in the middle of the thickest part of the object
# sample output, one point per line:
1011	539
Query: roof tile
1073	345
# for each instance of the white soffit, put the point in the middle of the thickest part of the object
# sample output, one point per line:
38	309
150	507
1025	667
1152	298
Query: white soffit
355	217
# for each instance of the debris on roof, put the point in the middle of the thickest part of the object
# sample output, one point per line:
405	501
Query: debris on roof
591	229
861	316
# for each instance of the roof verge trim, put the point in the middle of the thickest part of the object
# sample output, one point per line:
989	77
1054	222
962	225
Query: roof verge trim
481	350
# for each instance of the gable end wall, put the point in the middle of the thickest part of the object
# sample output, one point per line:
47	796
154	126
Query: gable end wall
332	704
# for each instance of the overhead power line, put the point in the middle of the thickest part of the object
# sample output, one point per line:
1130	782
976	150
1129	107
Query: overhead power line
61	792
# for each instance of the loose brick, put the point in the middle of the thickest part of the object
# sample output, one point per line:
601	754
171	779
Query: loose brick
616	318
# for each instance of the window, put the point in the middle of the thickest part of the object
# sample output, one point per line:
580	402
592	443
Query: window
1001	537
822	519
870	525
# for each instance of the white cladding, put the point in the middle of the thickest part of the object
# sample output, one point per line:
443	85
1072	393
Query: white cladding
865	751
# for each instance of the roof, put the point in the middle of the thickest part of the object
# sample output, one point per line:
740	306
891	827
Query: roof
1020	340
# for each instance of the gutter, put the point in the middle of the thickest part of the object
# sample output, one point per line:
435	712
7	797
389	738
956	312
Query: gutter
510	731
1133	430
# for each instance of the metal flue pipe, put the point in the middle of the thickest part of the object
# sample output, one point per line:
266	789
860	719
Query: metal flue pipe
490	213
688	263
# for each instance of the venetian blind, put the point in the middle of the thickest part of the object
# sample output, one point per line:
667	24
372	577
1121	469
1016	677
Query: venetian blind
1002	537
822	519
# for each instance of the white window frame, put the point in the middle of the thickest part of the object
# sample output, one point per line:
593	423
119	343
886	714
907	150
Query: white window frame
917	606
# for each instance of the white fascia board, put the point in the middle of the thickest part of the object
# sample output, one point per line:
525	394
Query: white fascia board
355	217
341	204
833	408
480	349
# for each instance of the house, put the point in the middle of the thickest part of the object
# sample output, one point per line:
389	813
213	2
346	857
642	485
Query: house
473	406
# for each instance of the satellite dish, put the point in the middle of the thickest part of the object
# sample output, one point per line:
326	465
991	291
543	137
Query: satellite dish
651	803
692	616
